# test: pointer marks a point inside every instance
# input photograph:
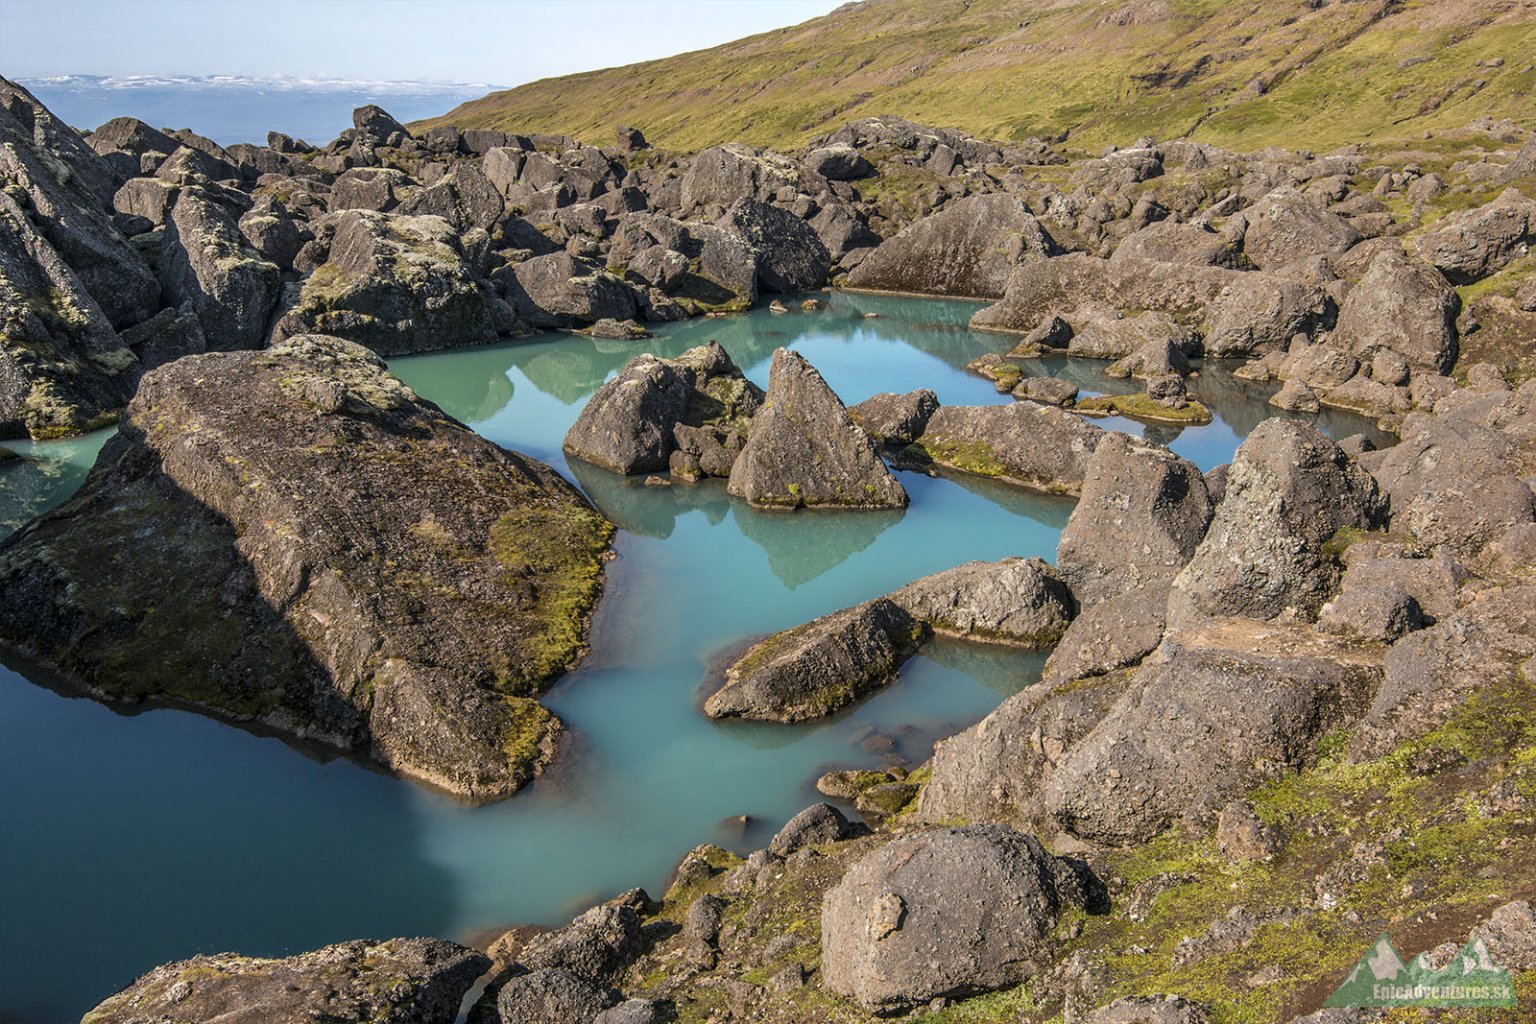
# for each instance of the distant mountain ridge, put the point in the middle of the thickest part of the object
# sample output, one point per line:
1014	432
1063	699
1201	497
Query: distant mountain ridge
1248	73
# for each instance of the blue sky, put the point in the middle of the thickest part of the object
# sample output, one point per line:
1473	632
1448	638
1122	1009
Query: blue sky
504	42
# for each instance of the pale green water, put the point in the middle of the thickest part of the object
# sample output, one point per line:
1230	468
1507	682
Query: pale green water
133	840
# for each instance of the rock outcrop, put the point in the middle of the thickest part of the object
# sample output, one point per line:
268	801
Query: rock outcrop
402	981
804	452
292	536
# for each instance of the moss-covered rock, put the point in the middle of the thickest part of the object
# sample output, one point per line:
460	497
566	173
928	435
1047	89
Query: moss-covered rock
293	536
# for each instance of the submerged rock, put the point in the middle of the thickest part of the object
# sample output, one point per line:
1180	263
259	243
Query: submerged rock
402	981
292	536
804	452
947	913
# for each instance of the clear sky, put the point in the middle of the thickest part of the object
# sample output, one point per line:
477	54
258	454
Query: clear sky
503	42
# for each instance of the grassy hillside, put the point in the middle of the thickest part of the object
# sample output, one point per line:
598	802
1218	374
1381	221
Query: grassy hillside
1243	72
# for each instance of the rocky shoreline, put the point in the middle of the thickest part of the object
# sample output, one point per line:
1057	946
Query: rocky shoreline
1270	683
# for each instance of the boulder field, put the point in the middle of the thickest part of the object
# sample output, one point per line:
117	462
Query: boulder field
1286	703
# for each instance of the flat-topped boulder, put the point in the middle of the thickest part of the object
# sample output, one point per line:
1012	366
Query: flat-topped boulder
293	537
401	981
1024	443
803	451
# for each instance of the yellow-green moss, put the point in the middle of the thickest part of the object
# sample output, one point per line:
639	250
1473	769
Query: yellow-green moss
1140	407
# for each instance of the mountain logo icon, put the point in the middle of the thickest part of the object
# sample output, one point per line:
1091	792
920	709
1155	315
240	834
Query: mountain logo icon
1380	978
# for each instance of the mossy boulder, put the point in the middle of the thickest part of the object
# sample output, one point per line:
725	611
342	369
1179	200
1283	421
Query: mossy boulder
292	536
1030	445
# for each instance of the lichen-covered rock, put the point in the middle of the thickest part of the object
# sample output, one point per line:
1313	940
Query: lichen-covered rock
951	912
1100	332
895	419
1404	307
598	945
1260	313
62	367
1020	602
1476	243
823	666
709	269
552	996
966	249
1024	443
1289	491
207	261
204	560
402	981
395	284
1142	514
804	452
1206	717
637	421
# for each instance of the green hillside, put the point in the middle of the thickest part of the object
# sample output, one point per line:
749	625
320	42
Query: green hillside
1243	72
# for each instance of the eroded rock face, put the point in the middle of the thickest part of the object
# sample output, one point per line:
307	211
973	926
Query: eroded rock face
967	249
204	560
1024	443
1289	491
1202	718
950	912
804	452
396	284
209	263
402	981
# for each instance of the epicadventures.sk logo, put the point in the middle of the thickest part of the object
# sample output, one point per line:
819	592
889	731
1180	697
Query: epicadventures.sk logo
1381	979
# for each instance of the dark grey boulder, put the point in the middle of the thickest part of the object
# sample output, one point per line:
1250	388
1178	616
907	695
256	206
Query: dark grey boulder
634	1011
1285	226
166	336
1031	445
552	996
629	140
1142	515
720	272
464	197
1112	633
149	198
396	284
559	290
270	230
823	666
375	123
202	561
895	419
818	823
701	929
206	261
721	175
947	913
969	248
1405	307
1289	491
839	162
1206	716
132	146
790	256
401	981
598	945
1476	243
368	188
1156	358
804	452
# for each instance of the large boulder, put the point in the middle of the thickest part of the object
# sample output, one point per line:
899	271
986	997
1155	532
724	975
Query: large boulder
1289	491
1018	602
1030	445
940	914
969	248
895	419
1171	242
838	162
207	261
1259	313
68	188
1142	514
464	197
721	175
1483	241
1402	305
560	290
376	125
401	981
598	945
552	995
1286	226
711	269
62	367
396	284
1103	332
810	671
204	561
790	256
804	452
632	424
131	147
1214	711
1038	290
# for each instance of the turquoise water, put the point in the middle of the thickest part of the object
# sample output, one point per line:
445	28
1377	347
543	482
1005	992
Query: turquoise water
131	840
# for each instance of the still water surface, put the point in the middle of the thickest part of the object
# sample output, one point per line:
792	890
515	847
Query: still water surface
133	839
